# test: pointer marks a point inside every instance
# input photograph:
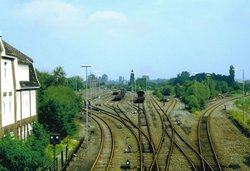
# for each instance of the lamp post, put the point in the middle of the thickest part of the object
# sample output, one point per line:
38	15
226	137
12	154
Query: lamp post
86	99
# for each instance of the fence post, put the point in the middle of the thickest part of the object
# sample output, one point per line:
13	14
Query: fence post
62	162
56	164
67	150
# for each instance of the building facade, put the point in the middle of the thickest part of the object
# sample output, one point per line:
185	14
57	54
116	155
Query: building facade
18	89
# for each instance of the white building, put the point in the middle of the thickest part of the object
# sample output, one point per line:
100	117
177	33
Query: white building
18	86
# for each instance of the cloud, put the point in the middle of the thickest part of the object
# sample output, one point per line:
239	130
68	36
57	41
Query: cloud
49	13
108	15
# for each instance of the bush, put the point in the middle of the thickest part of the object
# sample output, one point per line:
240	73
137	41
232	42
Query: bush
58	110
15	155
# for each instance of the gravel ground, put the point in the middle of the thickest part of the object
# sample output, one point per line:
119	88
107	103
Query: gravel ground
232	146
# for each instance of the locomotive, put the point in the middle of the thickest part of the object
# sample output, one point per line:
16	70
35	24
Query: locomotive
140	97
120	95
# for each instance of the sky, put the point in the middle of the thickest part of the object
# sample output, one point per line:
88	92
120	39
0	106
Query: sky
159	38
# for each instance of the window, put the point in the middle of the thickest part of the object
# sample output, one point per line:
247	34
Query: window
23	73
5	70
4	103
10	102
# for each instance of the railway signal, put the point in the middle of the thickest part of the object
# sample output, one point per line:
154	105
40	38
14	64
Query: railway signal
54	139
128	164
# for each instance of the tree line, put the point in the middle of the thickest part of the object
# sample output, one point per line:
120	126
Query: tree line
196	89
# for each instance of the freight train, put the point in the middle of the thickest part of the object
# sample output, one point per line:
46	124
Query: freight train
119	95
140	97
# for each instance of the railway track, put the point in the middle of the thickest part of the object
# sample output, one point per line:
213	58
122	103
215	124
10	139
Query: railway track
130	126
205	141
171	132
142	133
107	144
146	145
151	154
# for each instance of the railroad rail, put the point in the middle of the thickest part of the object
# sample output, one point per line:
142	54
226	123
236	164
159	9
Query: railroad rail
205	142
107	144
148	150
171	131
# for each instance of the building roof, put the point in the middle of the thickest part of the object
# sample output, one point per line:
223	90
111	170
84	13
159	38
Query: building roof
24	59
11	51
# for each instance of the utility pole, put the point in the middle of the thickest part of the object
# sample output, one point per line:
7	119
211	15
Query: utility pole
86	99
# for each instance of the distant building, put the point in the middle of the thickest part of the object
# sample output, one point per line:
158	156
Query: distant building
18	89
121	80
145	77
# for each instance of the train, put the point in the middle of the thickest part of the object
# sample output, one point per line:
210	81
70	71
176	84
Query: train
119	95
140	97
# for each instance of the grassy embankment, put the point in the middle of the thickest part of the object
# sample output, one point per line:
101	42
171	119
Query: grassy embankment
241	117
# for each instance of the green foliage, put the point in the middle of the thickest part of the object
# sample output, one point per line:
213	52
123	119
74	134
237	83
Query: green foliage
59	76
243	104
75	83
180	91
231	76
222	86
58	110
16	155
181	78
238	116
141	84
192	103
167	90
157	93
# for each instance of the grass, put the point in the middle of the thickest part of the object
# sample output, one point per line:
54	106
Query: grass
243	103
242	119
237	116
71	141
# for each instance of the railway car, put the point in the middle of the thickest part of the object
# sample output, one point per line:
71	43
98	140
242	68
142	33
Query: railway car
120	95
115	93
140	97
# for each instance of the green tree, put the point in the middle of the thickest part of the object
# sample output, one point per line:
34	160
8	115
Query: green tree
167	90
157	93
75	83
58	110
45	79
212	88
179	91
181	78
59	76
192	103
141	84
222	86
231	76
